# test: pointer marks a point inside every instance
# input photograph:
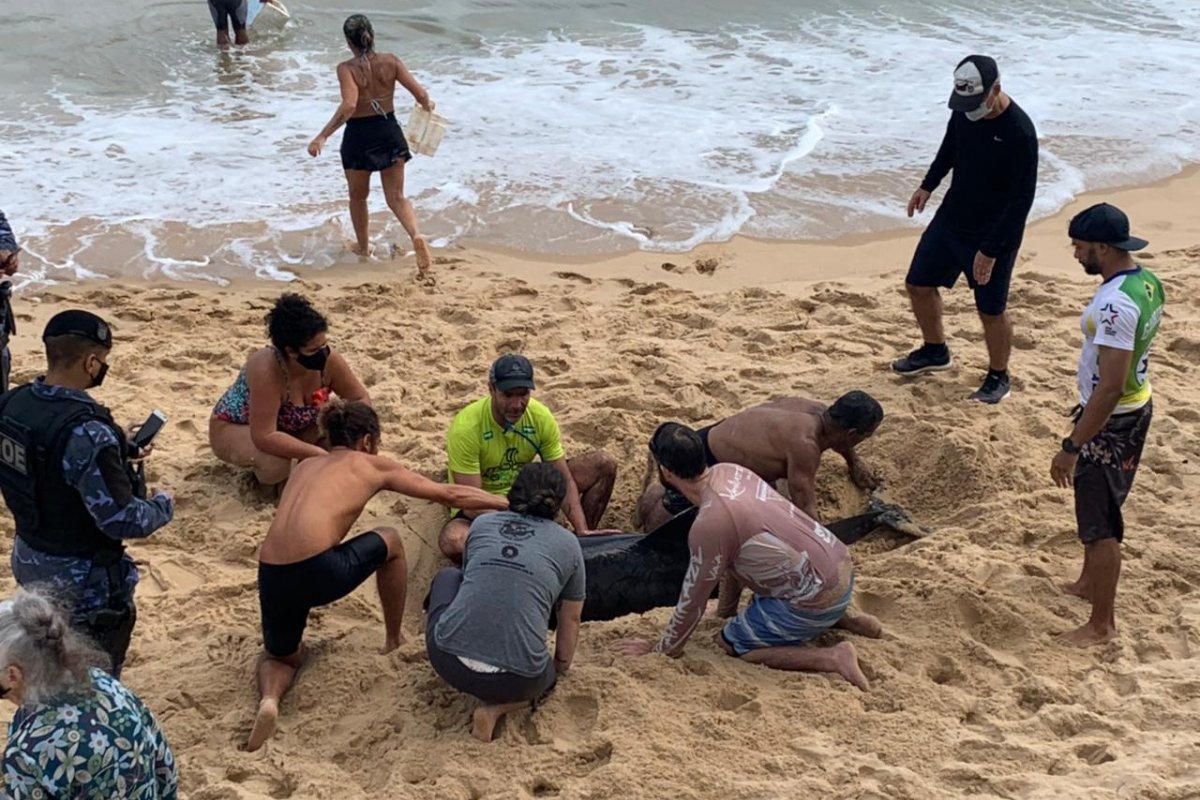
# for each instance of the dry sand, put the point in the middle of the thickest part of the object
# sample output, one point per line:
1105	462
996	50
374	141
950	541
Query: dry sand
971	695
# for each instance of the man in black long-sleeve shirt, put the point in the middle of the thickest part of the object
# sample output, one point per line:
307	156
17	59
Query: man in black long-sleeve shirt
991	146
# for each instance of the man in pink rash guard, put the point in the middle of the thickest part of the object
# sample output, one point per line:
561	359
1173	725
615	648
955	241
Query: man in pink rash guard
801	575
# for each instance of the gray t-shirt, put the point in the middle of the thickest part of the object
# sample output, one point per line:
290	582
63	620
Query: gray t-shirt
516	568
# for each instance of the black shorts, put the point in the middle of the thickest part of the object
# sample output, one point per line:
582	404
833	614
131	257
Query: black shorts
373	143
225	10
287	592
943	254
491	687
673	501
1104	474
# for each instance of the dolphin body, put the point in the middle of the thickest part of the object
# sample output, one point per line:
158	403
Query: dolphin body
631	573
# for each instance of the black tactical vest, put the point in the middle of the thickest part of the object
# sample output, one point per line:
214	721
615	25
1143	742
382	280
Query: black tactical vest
50	514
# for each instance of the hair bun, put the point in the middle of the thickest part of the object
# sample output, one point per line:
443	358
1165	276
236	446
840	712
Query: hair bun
40	621
54	631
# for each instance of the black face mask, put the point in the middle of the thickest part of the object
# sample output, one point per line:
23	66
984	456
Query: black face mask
99	379
314	361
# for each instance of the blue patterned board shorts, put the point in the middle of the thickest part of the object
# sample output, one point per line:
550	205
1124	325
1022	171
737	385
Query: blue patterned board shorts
771	622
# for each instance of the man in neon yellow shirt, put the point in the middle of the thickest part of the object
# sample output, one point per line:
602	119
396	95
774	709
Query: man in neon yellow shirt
491	439
1100	457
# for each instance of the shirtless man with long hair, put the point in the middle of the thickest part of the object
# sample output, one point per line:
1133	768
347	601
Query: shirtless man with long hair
304	563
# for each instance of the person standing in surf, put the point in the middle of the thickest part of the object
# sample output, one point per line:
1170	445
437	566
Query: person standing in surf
373	141
991	147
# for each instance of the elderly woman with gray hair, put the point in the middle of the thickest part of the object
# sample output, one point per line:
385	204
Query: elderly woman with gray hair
77	731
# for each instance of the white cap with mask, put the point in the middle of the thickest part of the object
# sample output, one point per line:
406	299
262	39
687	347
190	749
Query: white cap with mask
974	77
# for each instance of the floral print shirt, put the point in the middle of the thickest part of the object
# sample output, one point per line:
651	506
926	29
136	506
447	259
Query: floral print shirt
99	744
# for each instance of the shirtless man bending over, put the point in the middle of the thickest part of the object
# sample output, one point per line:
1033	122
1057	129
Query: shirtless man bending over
303	563
779	439
801	575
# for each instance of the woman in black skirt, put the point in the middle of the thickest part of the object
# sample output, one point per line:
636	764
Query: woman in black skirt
373	141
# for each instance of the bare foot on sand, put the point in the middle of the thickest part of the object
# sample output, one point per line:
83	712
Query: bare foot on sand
421	250
1076	589
484	726
846	659
861	624
391	644
486	718
1089	636
264	724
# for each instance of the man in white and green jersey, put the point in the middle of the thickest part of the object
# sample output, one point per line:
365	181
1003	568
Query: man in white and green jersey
1100	457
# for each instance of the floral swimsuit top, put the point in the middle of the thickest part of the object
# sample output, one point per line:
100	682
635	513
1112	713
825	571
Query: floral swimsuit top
234	405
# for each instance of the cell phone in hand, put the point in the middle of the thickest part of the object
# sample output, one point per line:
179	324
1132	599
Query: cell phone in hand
150	428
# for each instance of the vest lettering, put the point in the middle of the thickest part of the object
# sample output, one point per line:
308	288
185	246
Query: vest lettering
13	455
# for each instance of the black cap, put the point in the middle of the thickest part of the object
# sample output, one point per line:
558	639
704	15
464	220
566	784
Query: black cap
1104	224
511	371
973	78
79	323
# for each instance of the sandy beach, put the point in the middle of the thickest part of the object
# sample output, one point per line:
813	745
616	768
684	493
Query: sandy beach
971	695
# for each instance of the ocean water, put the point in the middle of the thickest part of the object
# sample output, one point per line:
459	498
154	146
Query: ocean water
131	147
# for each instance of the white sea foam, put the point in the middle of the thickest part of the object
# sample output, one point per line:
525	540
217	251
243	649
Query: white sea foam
598	136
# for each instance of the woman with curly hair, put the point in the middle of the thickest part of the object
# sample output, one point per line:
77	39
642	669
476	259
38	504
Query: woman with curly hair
268	418
77	731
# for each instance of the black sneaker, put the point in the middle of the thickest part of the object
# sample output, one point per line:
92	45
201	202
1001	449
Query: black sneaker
994	389
926	358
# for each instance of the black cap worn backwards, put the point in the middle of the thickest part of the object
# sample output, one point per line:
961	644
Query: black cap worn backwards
973	78
511	371
1104	224
79	323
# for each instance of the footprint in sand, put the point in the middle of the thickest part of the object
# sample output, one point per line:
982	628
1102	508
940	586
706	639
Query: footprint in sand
584	710
730	700
544	787
1094	754
1185	347
169	576
260	783
573	276
944	671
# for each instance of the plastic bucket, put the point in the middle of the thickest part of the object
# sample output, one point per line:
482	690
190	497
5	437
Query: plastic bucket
424	131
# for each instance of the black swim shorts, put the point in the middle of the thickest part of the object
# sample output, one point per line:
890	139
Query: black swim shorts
225	10
373	143
943	254
1104	474
287	592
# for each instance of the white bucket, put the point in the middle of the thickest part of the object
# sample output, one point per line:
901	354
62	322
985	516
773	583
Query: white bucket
424	131
267	15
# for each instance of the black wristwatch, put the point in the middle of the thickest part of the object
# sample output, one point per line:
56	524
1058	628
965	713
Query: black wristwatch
1069	446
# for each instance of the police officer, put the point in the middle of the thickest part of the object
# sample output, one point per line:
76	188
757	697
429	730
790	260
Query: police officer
67	475
8	266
